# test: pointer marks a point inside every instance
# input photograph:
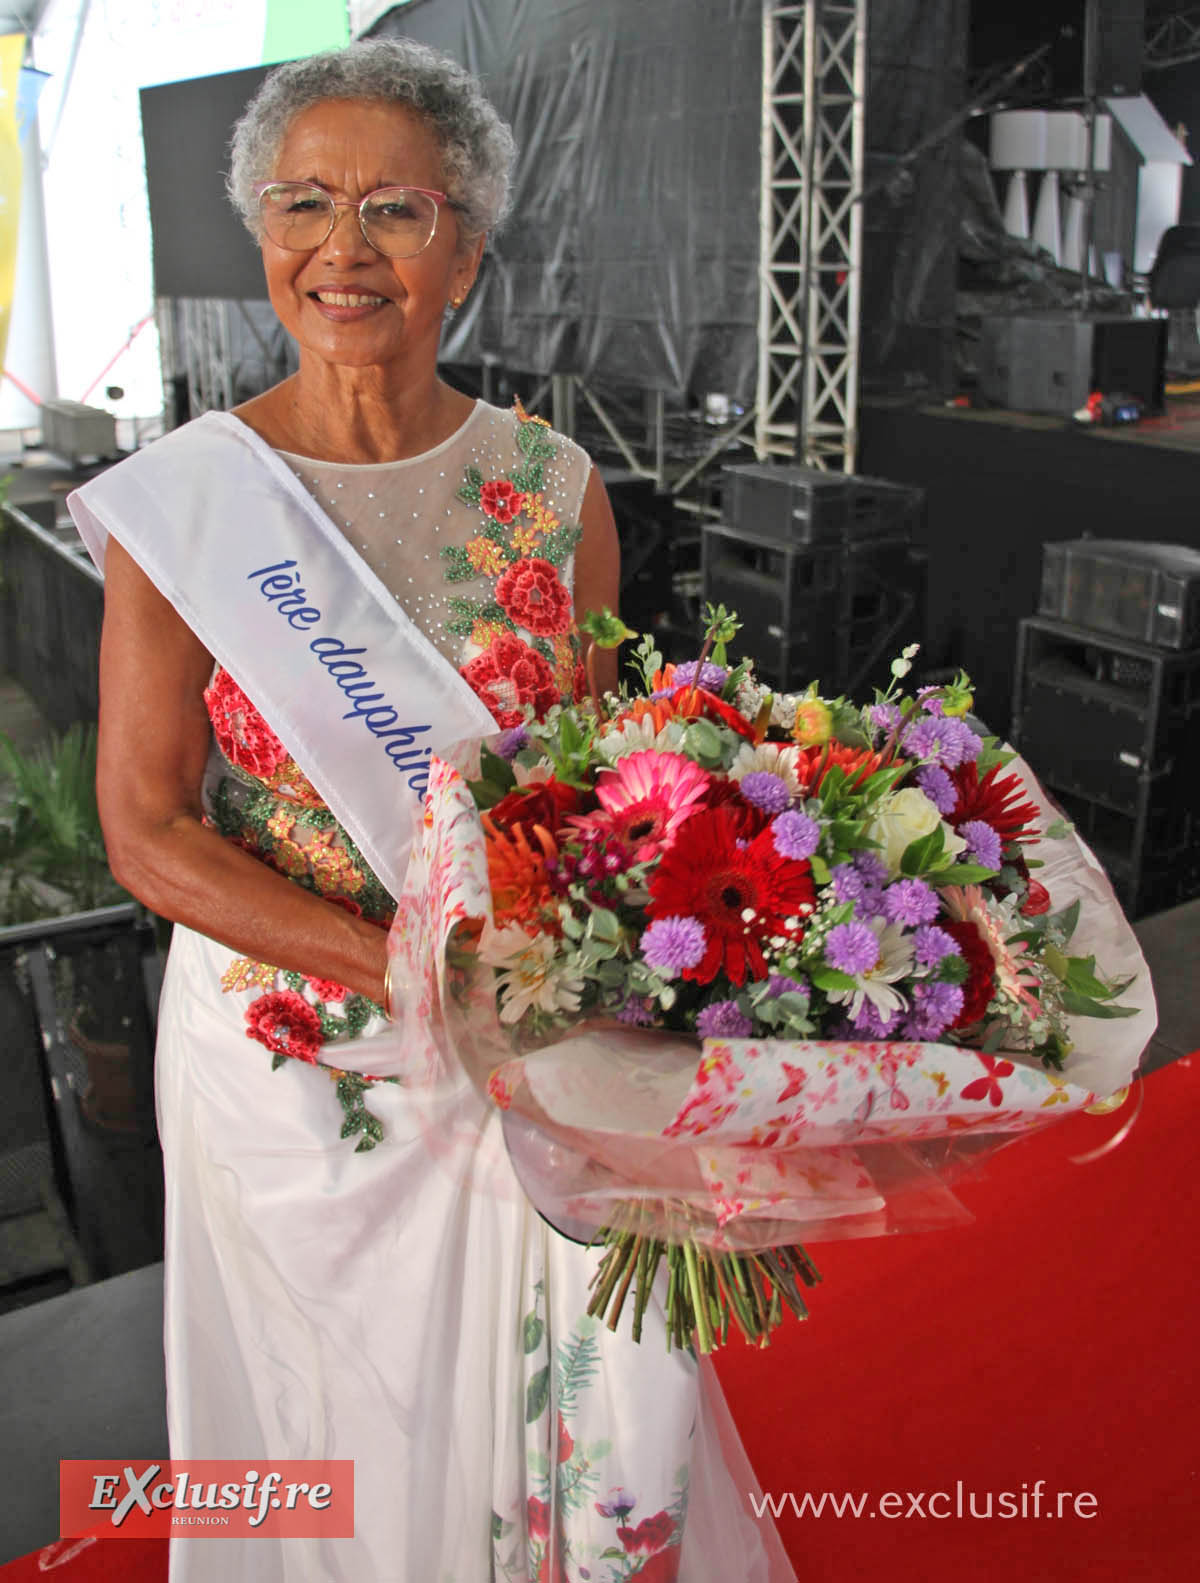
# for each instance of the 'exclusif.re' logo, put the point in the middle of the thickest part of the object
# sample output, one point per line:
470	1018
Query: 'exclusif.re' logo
126	1500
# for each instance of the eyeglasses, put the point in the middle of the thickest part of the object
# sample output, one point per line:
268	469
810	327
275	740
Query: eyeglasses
396	221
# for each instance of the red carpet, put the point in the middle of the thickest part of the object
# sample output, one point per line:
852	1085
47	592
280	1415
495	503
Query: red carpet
1053	1339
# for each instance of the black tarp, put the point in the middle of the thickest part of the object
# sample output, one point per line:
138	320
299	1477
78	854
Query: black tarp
632	255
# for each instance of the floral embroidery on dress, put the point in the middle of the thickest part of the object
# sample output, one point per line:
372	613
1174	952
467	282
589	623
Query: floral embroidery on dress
564	1477
526	634
508	675
249	744
269	808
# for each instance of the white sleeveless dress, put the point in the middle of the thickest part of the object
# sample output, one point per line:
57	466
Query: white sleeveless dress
352	1269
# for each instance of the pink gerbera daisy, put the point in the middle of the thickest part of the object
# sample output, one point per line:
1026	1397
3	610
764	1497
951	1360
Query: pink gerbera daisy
643	801
1015	973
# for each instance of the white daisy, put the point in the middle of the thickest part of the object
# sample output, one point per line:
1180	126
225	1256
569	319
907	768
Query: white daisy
768	758
636	736
876	984
527	974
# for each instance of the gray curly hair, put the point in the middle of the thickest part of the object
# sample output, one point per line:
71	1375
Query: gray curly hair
477	145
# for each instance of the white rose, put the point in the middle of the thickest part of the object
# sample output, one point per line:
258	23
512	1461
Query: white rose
904	817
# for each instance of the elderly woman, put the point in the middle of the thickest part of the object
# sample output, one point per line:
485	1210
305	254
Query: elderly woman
305	598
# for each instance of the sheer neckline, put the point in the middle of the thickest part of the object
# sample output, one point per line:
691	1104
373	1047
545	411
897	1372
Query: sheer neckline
406	461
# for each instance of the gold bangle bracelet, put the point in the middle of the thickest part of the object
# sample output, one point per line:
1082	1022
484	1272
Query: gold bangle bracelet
387	991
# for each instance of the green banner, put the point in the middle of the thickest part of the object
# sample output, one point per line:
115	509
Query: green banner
302	27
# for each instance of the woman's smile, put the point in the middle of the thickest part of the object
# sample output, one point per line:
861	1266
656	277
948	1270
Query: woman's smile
342	301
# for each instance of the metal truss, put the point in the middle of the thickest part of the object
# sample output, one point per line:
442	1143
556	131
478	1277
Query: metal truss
1173	40
223	348
811	226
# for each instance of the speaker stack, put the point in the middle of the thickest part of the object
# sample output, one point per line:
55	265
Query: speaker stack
822	570
1107	708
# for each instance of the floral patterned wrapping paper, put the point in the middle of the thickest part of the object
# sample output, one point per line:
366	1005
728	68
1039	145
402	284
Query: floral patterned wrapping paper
761	1139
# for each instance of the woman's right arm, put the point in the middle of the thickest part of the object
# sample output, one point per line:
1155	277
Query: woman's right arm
154	744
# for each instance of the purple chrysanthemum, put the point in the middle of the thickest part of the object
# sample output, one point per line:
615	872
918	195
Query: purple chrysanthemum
944	741
673	944
930	698
983	843
885	716
724	1019
509	743
910	902
852	947
795	834
870	903
874	1023
637	1012
780	984
938	787
872	867
931	945
935	1006
711	677
848	884
766	791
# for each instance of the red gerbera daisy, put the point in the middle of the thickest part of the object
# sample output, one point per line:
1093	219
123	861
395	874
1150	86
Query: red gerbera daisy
981	970
742	896
996	799
747	820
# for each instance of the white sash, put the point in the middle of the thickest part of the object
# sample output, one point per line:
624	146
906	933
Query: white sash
354	690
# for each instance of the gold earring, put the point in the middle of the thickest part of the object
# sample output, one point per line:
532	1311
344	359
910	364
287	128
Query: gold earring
457	302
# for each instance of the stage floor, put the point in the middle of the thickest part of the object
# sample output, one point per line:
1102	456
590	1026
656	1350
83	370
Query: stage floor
1178	427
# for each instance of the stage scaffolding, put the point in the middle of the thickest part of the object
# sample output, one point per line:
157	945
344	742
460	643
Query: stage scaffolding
1173	40
810	278
814	76
813	143
224	350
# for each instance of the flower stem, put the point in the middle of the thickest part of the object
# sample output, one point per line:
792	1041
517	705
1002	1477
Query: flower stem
704	1334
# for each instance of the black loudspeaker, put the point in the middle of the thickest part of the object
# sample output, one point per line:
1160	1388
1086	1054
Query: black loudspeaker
1120	27
1112	728
1051	362
1120	42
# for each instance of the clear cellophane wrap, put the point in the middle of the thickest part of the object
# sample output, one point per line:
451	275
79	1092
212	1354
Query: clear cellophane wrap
739	1144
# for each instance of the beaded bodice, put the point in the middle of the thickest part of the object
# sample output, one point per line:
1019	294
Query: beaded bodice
476	540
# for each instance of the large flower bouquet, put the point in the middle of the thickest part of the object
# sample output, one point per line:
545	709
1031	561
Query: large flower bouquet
843	904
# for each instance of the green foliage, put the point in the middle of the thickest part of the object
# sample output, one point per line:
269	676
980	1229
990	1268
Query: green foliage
52	857
721	626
